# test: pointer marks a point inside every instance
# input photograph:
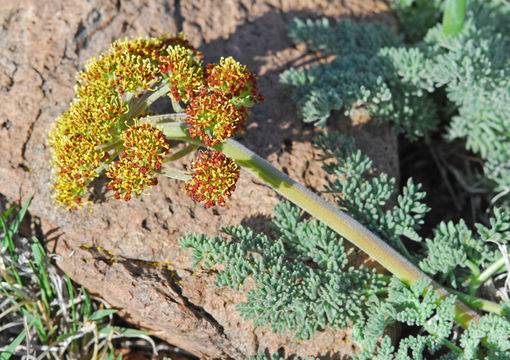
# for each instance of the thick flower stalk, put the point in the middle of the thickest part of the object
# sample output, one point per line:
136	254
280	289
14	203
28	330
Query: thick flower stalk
214	178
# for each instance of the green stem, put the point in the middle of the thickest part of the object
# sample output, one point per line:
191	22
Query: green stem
176	106
381	291
445	342
166	118
111	145
476	302
145	101
112	158
385	278
494	268
453	16
180	153
342	223
473	267
176	174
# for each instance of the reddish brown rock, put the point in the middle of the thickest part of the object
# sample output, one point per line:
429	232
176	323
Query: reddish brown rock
43	45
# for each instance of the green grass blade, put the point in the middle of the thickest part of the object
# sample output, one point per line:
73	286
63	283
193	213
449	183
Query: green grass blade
111	355
44	298
453	16
10	296
20	216
14	227
122	331
36	321
4	230
7	276
15	343
12	346
73	307
7	213
99	314
63	336
42	274
86	309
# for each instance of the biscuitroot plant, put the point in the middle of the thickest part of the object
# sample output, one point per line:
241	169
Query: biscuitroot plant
111	127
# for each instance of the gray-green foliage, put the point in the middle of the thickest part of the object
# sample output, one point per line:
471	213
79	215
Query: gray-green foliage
454	255
409	306
301	282
416	307
301	277
360	77
474	68
376	71
275	356
367	199
416	17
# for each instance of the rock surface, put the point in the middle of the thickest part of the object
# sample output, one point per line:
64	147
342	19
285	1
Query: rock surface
43	45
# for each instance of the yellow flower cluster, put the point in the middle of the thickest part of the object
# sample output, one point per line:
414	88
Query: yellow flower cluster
213	117
183	69
129	66
76	141
94	117
144	150
99	123
232	78
214	178
219	110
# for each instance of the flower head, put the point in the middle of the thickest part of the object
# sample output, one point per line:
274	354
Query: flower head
213	117
179	39
144	149
112	92
214	177
129	66
75	160
76	141
183	69
94	117
233	79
